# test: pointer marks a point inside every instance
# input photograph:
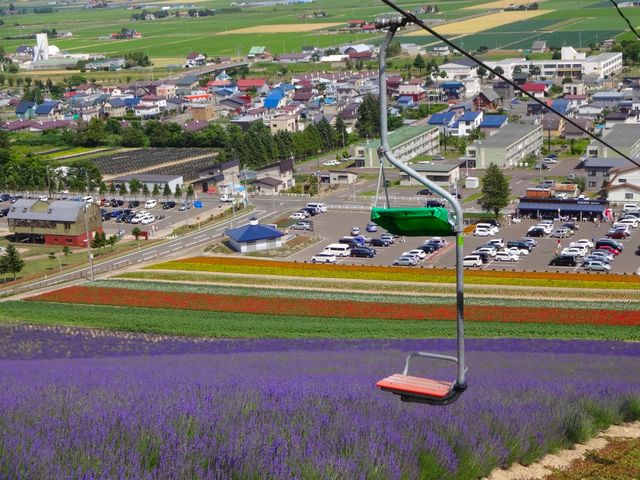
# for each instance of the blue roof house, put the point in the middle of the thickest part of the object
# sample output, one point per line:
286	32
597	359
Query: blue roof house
49	110
25	110
254	237
444	121
275	100
492	123
563	106
452	90
468	122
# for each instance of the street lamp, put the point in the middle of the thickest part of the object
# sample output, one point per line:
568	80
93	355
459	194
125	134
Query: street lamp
52	256
86	227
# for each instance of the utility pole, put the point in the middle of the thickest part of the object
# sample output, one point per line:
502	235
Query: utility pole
86	227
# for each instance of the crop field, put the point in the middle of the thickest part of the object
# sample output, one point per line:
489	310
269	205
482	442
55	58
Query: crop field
486	22
499	4
183	408
526	26
284	28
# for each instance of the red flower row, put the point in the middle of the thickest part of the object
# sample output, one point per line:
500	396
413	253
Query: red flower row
333	308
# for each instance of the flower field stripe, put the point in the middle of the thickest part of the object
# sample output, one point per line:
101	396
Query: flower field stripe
340	291
605	298
335	308
202	324
435	275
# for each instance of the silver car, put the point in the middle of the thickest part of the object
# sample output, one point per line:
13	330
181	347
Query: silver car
406	261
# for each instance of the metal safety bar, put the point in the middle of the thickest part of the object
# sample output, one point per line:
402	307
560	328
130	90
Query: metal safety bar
393	23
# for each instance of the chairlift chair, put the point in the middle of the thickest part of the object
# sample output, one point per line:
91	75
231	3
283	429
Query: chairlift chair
413	222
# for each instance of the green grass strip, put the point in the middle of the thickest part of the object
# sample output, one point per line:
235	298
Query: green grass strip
242	325
249	291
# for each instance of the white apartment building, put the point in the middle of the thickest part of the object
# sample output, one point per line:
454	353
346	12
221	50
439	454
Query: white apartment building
572	64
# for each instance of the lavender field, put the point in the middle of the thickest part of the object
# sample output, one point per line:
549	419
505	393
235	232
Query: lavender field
88	404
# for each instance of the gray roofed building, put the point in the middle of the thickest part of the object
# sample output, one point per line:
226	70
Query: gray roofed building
508	146
539	46
151	180
61	222
624	137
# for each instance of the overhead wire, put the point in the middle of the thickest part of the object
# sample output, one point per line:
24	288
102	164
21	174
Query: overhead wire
414	19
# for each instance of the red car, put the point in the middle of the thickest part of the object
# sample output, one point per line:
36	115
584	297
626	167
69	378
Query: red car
618	235
609	249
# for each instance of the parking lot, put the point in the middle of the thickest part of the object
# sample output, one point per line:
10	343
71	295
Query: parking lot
335	225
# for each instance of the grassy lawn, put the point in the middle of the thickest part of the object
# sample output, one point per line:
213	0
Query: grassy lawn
472	197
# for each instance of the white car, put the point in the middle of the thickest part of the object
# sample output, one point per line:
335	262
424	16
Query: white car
137	219
546	227
297	216
420	253
226	198
574	252
323	257
517	251
355	231
626	223
549	160
582	243
406	261
331	163
506	257
43	198
482	232
490	251
147	220
471	261
496	241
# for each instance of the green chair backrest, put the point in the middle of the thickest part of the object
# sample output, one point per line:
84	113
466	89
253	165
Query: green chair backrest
415	222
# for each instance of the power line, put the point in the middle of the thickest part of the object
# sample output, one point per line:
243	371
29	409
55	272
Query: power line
414	19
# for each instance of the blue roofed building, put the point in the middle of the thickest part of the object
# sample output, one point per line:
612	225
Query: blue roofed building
255	237
467	123
452	91
492	123
405	101
49	110
131	102
564	107
26	110
444	121
275	100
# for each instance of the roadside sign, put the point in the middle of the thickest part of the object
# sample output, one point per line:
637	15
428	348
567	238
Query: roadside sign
197	204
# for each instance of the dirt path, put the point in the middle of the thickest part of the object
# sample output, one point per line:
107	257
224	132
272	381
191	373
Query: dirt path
562	460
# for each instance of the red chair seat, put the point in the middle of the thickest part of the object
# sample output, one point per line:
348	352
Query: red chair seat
406	384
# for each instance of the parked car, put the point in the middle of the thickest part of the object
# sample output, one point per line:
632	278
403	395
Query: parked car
583	242
536	232
484	256
115	203
564	261
115	213
389	237
472	261
300	226
4	212
597	265
530	241
549	160
571	225
506	257
168	205
496	241
310	211
135	204
430	248
379	242
541	166
615	251
184	206
297	216
618	234
331	163
355	231
324	257
425	191
147	219
416	251
361	252
15	199
482	232
372	227
603	253
406	261
518	251
489	251
438	157
599	258
5	197
362	239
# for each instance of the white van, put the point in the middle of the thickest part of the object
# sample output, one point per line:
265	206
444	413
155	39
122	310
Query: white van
487	226
87	199
338	249
630	207
150	204
320	206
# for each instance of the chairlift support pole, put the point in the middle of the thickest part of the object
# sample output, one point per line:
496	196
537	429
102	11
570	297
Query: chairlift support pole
392	24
